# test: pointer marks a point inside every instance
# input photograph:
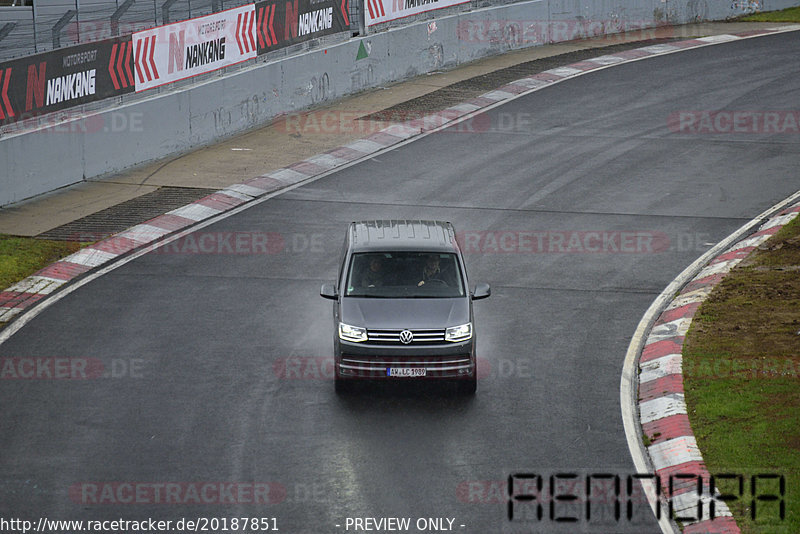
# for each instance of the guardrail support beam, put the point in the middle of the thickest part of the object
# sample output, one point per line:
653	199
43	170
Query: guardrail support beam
6	29
63	21
165	11
120	11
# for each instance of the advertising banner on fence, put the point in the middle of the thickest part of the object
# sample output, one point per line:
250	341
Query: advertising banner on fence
385	10
191	47
63	78
281	23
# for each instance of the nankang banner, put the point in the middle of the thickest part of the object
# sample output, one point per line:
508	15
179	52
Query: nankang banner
379	11
281	23
191	47
63	78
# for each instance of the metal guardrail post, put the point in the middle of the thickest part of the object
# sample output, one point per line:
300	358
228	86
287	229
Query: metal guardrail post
165	11
6	29
118	15
357	21
63	21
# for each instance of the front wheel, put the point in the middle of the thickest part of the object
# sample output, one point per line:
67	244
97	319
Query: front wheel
342	385
468	386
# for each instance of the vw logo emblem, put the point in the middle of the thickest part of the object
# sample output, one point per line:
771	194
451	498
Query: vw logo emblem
406	337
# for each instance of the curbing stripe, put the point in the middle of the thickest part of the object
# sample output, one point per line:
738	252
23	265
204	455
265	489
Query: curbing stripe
661	367
661	404
36	284
661	407
667	428
90	257
674	452
565	71
195	212
611	60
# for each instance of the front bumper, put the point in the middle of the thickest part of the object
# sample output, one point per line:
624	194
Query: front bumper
454	360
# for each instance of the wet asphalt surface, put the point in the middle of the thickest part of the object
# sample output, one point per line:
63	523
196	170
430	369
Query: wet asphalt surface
577	203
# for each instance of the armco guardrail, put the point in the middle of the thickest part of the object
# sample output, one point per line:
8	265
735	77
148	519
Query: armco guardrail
76	75
169	122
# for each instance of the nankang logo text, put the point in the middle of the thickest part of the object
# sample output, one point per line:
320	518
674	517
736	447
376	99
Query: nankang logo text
70	86
202	53
315	21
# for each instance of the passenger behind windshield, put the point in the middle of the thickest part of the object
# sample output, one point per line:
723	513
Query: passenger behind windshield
404	275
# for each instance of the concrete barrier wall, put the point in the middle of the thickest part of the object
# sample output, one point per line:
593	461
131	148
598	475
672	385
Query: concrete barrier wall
176	121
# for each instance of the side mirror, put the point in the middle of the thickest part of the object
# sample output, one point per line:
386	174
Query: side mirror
481	291
328	291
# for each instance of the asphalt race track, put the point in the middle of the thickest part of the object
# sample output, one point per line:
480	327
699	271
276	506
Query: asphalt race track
578	204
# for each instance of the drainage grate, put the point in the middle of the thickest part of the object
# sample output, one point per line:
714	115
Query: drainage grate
478	85
117	218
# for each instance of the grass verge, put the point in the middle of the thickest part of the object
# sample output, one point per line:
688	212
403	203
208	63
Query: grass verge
20	257
791	14
741	364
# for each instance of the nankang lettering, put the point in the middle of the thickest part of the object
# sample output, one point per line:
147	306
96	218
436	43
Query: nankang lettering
315	21
203	53
71	86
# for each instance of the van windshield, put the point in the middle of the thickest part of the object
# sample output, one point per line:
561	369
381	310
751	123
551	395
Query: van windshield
405	275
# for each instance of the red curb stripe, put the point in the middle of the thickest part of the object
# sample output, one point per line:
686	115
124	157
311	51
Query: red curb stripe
769	231
700	283
307	168
63	270
345	153
636	53
750	33
219	201
738	254
585	65
231	200
794	209
720	525
169	221
547	77
694	467
16	299
662	348
691	43
384	138
682	312
667	428
660	386
115	245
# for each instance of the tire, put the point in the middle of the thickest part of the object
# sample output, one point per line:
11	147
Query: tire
342	385
468	386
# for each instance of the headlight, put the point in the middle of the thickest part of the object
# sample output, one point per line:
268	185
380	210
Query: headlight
352	333
458	333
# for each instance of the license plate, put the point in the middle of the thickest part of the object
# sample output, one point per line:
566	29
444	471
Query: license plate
406	371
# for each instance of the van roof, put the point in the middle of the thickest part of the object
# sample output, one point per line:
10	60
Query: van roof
433	236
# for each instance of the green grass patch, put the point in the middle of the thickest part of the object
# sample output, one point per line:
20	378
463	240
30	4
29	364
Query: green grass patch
20	257
791	14
742	380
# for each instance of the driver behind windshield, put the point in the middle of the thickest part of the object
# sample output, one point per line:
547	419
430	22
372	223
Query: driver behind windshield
432	272
374	275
